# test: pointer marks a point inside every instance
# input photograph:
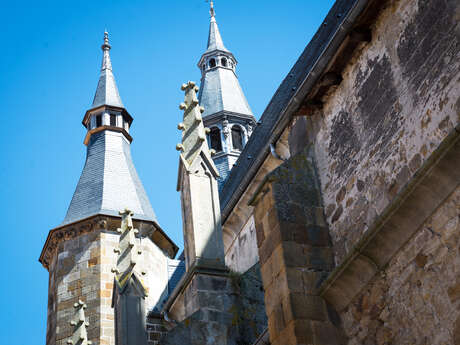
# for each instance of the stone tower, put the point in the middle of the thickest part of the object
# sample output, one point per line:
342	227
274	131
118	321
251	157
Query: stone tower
226	111
81	254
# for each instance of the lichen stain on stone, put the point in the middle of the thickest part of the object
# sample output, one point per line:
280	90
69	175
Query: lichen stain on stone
344	142
377	105
443	102
426	119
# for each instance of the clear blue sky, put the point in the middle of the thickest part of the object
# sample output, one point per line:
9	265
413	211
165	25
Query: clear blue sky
49	68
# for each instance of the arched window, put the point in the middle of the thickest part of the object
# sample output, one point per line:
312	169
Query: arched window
212	63
237	138
224	62
215	141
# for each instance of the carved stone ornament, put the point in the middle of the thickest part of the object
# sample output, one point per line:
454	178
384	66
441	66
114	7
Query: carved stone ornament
225	128
79	324
250	129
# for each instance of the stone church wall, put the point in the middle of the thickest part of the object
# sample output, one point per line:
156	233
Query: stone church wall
416	299
398	100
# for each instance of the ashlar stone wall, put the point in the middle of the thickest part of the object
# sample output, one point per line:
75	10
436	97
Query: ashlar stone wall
398	100
75	273
416	299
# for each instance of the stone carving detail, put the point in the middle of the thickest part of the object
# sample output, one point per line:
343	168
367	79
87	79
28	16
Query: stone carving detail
250	129
66	233
193	130
225	129
79	324
129	253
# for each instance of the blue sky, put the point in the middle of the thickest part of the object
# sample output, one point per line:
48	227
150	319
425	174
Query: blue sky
49	68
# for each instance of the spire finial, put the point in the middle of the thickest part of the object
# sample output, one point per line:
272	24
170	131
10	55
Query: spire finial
106	63
211	9
106	45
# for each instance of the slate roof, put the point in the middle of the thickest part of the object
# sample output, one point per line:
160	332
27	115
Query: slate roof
176	270
221	91
315	56
109	181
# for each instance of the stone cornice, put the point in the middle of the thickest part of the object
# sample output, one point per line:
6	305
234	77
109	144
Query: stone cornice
106	223
237	117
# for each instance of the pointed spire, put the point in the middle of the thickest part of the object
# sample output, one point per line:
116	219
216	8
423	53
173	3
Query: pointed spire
109	167
214	39
220	89
107	91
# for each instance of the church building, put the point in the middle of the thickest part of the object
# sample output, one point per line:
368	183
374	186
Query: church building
333	219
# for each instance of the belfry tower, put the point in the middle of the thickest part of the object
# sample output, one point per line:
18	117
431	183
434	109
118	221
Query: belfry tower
226	111
82	255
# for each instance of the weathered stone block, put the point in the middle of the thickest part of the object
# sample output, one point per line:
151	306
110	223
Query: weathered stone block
271	242
299	306
327	334
294	255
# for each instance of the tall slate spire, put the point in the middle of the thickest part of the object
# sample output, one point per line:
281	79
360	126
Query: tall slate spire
214	39
226	110
220	89
109	181
107	91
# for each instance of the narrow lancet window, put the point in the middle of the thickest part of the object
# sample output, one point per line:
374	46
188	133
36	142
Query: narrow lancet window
224	62
215	141
98	120
113	120
237	138
212	63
